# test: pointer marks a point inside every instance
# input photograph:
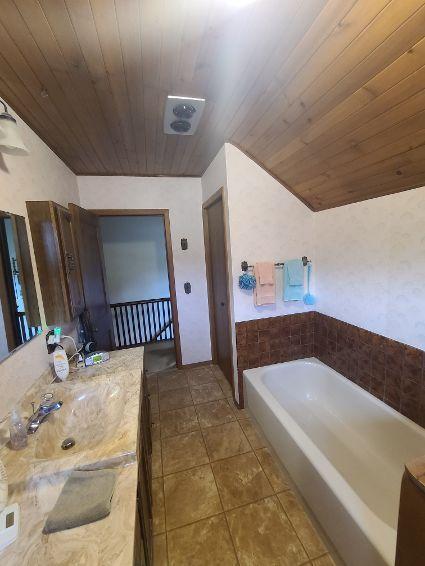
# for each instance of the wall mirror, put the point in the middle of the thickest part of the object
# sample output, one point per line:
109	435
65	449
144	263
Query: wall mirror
19	312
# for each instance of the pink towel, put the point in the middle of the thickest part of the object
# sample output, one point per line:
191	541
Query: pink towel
265	291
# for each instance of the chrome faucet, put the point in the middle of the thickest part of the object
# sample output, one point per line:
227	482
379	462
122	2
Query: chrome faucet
46	407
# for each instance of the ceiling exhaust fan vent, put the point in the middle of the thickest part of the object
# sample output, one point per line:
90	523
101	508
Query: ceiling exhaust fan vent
181	126
188	111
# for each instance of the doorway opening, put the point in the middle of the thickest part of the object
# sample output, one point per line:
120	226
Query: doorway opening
140	277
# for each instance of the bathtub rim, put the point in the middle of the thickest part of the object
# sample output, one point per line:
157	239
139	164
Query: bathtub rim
382	535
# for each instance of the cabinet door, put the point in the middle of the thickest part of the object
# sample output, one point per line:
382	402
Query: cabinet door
70	263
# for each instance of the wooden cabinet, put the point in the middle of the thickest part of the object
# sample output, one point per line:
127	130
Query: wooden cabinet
57	264
144	533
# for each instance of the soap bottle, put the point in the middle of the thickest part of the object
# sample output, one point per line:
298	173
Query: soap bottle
18	431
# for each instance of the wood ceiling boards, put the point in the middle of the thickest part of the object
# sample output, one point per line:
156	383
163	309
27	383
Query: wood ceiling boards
328	95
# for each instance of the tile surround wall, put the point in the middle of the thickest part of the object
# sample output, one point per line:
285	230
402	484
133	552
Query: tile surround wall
272	340
391	371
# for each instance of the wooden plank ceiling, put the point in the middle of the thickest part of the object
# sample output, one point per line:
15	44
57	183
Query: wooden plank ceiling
327	95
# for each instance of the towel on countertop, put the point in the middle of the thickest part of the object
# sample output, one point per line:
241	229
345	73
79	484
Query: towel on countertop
293	280
265	291
85	498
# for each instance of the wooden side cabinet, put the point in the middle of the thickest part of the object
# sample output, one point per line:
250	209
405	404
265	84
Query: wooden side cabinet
57	263
144	522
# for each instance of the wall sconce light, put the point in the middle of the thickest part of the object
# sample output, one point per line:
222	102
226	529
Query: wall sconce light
10	140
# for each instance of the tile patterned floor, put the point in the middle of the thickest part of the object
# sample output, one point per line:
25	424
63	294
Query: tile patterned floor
219	495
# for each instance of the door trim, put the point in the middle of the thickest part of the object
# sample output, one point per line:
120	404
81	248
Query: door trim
165	213
218	195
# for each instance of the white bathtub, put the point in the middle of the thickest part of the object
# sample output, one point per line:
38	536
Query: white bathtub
344	449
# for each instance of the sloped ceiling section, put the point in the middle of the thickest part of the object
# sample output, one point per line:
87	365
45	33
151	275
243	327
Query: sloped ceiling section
328	95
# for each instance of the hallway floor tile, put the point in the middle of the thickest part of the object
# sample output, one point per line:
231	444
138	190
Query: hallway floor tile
220	495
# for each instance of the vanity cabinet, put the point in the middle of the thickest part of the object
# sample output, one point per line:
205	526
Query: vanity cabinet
144	520
57	262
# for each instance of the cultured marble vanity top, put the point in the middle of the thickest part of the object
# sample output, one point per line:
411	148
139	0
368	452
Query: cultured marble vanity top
101	411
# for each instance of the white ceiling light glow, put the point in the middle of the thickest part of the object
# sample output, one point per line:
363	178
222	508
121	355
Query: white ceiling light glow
10	139
182	114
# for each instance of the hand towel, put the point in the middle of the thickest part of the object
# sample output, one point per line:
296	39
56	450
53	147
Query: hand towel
264	293
265	272
85	498
293	280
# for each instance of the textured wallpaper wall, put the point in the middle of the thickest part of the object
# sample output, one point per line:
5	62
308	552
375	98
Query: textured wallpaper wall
267	223
370	265
39	176
183	197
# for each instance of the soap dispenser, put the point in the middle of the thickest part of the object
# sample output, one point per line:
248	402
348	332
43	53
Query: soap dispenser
18	431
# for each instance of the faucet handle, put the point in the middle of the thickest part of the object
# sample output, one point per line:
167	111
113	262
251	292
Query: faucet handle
33	407
46	398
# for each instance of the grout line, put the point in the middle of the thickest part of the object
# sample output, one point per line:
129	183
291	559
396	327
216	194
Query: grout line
225	516
295	530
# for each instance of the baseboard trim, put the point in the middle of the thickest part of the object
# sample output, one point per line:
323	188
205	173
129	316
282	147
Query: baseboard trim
197	364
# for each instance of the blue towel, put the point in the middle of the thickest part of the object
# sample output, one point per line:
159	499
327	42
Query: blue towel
293	280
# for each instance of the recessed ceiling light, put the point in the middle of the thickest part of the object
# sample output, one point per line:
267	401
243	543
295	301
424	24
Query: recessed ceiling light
187	109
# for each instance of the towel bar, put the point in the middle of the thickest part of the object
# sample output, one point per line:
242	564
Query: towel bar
245	266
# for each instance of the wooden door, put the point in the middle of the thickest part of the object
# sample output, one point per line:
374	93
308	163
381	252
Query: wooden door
85	227
218	290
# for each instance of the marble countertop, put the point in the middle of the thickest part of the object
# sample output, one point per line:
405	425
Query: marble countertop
35	482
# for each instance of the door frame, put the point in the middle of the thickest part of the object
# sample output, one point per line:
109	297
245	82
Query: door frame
165	213
218	195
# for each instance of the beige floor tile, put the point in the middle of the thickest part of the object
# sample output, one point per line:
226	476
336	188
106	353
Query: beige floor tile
200	376
190	496
170	380
216	370
156	459
239	413
156	431
152	382
240	480
303	526
206	543
225	440
225	387
153	398
160	550
214	413
253	434
273	470
206	392
325	560
263	535
183	452
175	399
158	508
179	421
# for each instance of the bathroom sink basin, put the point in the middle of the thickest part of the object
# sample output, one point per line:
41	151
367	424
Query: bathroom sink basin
89	417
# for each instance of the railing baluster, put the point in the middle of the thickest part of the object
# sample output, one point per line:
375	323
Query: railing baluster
122	327
163	317
170	318
128	325
157	320
117	338
137	322
145	334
